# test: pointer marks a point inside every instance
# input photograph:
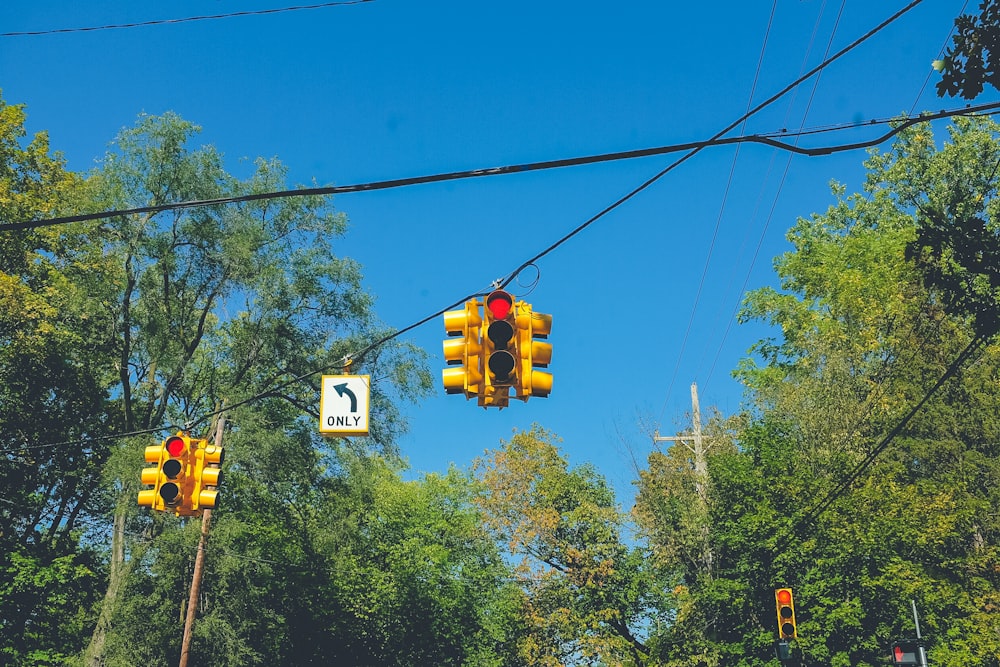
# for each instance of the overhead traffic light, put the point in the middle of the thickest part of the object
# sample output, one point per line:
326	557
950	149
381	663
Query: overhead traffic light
207	475
493	351
531	352
463	351
499	348
786	613
171	477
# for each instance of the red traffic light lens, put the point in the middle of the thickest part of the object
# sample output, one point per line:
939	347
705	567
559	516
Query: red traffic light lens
784	596
499	303
175	445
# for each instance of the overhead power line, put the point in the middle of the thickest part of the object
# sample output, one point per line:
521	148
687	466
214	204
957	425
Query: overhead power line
211	17
697	147
765	139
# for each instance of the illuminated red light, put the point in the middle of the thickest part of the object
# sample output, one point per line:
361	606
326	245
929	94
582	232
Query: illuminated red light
499	304
784	596
175	446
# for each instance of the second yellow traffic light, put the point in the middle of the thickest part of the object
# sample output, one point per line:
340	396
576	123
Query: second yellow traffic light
171	477
463	352
207	476
531	352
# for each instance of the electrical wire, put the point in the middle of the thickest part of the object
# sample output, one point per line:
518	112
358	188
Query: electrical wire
808	519
777	193
718	220
718	135
697	147
212	17
767	139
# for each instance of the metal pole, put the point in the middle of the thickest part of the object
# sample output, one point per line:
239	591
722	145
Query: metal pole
199	564
920	645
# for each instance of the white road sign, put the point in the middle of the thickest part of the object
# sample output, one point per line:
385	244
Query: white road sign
343	405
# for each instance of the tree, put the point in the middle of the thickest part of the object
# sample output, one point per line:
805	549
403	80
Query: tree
973	59
50	392
587	594
347	565
219	305
878	297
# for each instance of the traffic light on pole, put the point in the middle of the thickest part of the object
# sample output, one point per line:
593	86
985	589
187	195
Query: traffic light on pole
499	349
786	613
171	477
207	475
531	352
906	653
464	351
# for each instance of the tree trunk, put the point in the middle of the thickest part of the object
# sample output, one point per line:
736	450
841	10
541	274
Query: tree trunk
94	655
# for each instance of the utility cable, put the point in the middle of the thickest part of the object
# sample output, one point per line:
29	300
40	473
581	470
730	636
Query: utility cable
718	135
695	148
811	515
777	193
722	210
143	24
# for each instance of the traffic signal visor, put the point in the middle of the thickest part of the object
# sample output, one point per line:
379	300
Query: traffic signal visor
786	613
532	352
207	475
463	352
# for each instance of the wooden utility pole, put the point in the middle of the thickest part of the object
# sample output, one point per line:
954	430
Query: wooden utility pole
695	443
199	562
696	446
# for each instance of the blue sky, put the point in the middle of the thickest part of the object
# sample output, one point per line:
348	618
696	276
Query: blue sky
643	300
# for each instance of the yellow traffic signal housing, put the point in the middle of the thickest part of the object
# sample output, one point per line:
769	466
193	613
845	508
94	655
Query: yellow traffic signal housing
499	349
464	352
207	475
151	476
531	352
172	478
785	606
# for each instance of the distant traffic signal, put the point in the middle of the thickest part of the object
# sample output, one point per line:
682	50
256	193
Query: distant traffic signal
786	613
531	352
463	352
906	653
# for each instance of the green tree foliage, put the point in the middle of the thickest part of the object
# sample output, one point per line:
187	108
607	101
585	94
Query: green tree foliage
319	552
51	390
586	593
878	297
972	60
215	305
353	566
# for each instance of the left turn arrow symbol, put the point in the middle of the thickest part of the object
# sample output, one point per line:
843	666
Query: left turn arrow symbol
342	389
